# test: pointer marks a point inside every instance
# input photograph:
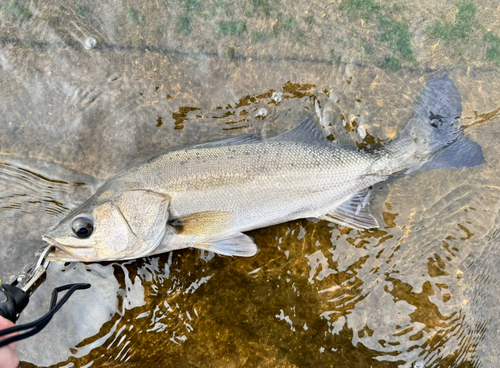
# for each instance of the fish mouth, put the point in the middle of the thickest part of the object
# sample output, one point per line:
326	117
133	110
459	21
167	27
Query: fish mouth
58	245
64	253
49	240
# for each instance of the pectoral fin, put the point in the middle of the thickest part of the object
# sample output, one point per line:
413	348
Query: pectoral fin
206	224
354	213
205	228
239	244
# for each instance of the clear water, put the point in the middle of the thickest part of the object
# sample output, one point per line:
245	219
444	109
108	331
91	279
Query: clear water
87	89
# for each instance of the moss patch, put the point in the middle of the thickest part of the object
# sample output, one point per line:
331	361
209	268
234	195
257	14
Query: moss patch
258	36
230	28
285	23
216	8
309	19
394	32
335	58
390	63
191	6
16	11
135	17
82	10
289	23
54	21
493	47
398	35
253	7
363	9
183	25
461	28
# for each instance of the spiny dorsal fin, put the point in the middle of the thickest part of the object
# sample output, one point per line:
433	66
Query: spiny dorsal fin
354	213
246	138
307	132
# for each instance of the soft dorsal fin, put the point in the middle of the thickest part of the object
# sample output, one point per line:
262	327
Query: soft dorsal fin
246	138
354	213
307	132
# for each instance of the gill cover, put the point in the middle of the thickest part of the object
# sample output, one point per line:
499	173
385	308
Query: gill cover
146	214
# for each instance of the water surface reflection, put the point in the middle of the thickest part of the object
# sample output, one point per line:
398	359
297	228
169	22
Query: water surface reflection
316	294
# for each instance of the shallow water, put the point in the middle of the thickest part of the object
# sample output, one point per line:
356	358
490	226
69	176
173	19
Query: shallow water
421	291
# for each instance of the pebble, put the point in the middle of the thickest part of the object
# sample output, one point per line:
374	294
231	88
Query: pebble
90	43
261	112
277	96
362	131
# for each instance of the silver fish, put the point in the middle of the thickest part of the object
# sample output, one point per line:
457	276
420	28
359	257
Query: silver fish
208	195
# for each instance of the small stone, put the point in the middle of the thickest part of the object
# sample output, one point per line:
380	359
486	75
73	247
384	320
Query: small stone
362	131
277	96
90	43
261	112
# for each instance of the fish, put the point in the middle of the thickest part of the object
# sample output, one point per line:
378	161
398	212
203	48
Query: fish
208	195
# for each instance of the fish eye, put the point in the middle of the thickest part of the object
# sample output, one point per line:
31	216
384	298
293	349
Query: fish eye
82	227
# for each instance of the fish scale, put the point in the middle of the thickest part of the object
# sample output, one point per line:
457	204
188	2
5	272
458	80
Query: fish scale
309	176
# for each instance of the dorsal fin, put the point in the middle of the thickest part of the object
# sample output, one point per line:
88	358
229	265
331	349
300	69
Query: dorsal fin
246	138
307	132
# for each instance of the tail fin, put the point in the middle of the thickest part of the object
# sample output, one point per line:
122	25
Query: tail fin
438	141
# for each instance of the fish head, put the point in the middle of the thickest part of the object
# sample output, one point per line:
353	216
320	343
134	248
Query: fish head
99	234
130	225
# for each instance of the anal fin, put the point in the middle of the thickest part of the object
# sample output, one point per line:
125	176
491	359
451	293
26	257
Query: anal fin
239	244
354	213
